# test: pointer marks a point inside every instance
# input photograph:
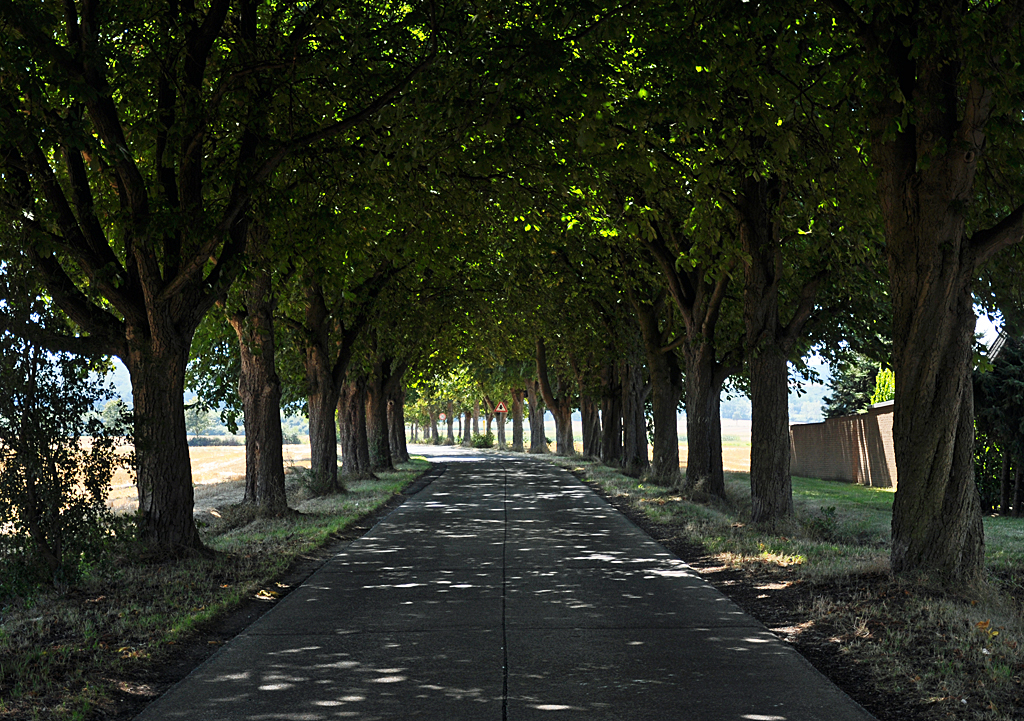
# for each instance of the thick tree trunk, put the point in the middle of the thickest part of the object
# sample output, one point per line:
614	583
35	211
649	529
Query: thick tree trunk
476	418
355	452
1004	484
396	423
704	470
666	390
322	398
163	471
432	433
517	419
260	390
450	440
377	433
560	407
500	419
937	520
767	348
611	415
538	440
771	490
635	458
591	426
467	440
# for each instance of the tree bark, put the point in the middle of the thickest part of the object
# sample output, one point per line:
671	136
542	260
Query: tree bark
925	179
322	391
704	379
1018	492
467	440
260	390
355	451
377	433
433	436
611	415
771	489
500	419
476	418
560	407
666	390
517	419
450	441
163	472
768	344
1004	484
396	420
635	459
538	440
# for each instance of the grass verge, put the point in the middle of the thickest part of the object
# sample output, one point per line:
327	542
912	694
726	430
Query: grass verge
903	649
75	655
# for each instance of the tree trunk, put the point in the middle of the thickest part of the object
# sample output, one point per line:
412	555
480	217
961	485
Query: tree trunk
322	398
432	434
771	490
500	418
163	471
1018	492
476	418
937	522
355	452
666	390
396	423
635	460
560	407
517	419
538	440
767	347
591	426
467	440
450	441
377	434
1004	484
611	416
704	470
259	387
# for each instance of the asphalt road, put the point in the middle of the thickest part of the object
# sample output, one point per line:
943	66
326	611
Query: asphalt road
505	589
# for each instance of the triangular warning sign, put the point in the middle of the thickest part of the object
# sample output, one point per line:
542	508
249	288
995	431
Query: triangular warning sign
501	407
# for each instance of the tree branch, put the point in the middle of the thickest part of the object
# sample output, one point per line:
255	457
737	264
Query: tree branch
988	242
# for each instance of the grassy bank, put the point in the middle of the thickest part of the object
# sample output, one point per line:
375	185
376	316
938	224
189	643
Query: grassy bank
67	656
944	655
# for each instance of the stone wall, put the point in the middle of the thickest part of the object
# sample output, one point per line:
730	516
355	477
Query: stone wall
856	449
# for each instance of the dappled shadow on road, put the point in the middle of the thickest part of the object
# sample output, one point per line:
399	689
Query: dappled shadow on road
495	578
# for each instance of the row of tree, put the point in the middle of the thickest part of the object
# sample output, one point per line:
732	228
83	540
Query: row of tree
649	200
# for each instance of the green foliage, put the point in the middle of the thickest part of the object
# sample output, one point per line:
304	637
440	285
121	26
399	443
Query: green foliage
483	441
58	459
885	386
999	420
851	387
215	441
197	421
823	527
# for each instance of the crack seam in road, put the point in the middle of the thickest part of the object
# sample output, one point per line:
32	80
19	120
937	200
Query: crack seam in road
504	588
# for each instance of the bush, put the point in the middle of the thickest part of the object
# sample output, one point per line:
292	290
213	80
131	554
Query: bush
291	439
197	441
483	441
57	459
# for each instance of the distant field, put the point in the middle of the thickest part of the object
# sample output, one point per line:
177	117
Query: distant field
218	474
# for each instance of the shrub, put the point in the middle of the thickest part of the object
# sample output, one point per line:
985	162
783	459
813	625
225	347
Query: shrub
197	441
57	459
483	441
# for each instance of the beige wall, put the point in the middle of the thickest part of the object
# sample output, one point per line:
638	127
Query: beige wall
857	449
